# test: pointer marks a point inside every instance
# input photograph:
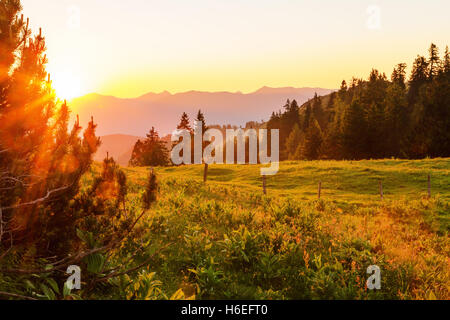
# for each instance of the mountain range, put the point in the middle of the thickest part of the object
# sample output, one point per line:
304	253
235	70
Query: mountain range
136	116
121	122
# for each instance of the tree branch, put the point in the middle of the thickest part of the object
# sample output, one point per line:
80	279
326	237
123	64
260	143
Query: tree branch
78	257
13	295
37	201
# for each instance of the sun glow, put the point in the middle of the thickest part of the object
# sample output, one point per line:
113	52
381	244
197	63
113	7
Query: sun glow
67	85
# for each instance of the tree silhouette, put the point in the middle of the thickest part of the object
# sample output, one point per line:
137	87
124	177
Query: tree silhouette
150	152
184	123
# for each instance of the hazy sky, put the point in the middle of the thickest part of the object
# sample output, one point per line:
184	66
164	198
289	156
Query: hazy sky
127	48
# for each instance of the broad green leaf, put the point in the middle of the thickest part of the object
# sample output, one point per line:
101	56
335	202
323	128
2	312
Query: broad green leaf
66	290
53	284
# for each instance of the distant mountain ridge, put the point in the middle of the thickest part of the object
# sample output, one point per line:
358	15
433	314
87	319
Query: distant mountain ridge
135	117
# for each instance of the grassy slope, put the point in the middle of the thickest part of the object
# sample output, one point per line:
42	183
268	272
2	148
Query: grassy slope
229	241
346	181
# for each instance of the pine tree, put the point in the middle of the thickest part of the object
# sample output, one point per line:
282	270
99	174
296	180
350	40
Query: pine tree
104	209
434	62
201	118
399	75
40	161
285	122
331	146
293	141
354	132
396	120
419	77
318	112
150	152
151	190
50	221
184	123
343	89
307	117
313	141
447	61
376	130
153	135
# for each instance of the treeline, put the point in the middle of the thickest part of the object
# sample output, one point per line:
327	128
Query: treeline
402	117
153	151
377	118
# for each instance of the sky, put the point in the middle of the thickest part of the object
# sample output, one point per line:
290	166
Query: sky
128	48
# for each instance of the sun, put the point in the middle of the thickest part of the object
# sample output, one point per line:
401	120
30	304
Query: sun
67	85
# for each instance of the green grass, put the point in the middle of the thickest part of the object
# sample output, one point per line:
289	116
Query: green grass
227	240
342	181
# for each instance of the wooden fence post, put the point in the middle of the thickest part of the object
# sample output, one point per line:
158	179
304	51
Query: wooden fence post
205	173
381	189
264	184
429	186
320	189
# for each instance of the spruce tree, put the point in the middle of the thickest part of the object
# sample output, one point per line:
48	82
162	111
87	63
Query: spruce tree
184	123
354	132
201	118
434	61
419	76
293	141
307	117
447	61
397	120
399	75
313	141
150	152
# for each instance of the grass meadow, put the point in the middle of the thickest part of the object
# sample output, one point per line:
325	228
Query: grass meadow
227	240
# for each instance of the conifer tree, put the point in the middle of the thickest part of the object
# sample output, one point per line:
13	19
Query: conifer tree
201	118
151	190
419	76
293	141
343	89
184	123
354	132
318	112
447	61
150	152
313	141
397	119
377	118
434	62
307	117
399	75
39	160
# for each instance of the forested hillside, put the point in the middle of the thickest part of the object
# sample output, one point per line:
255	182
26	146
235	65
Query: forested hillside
405	117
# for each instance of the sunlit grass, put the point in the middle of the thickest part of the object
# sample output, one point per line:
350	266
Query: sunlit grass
228	240
350	181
